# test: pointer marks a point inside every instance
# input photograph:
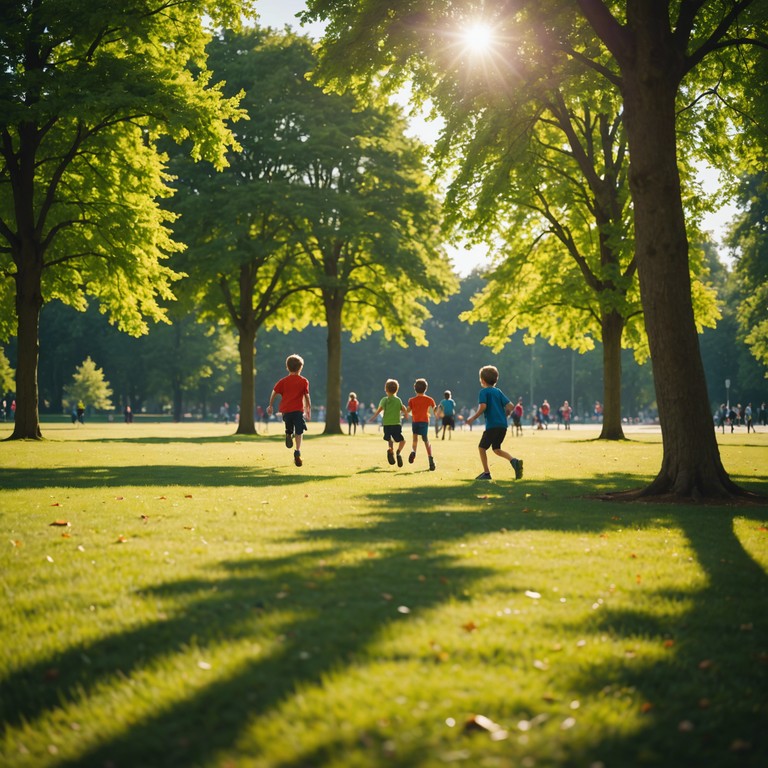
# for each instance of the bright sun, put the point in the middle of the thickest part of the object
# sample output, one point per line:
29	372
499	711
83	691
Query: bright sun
478	37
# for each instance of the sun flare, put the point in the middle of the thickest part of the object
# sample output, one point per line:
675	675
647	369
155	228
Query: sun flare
478	37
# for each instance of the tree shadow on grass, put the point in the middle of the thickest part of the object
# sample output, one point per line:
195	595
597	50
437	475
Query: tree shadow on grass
324	617
142	476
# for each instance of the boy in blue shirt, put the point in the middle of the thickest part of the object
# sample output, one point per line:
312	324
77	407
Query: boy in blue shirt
496	406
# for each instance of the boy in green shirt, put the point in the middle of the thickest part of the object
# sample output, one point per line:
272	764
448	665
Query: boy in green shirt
393	409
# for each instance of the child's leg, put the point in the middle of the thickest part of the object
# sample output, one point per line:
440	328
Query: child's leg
297	441
484	460
504	455
400	446
428	446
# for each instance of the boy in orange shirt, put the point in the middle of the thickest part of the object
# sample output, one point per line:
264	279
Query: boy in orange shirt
295	404
420	408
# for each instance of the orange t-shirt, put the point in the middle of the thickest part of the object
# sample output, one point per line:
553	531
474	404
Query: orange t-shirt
419	407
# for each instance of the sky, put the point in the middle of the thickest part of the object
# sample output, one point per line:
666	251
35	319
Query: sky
279	13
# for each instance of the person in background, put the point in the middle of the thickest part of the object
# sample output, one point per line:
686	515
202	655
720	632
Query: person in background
447	410
353	418
420	408
295	404
392	409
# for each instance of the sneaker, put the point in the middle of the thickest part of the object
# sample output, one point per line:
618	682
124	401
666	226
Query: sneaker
431	464
411	457
297	458
484	476
517	465
399	459
288	440
390	457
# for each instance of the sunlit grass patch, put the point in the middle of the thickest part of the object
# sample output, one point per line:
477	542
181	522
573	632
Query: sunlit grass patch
204	602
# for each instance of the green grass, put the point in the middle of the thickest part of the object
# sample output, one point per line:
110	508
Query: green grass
209	604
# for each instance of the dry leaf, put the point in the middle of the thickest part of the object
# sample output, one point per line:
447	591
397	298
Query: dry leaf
470	626
121	540
61	523
16	543
187	495
485	724
119	498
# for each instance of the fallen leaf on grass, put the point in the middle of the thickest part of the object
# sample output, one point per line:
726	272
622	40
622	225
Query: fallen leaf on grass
470	626
119	498
66	535
187	495
485	724
533	595
60	523
669	643
706	664
121	540
16	543
646	707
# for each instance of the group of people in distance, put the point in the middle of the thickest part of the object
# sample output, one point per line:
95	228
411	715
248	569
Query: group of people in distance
493	404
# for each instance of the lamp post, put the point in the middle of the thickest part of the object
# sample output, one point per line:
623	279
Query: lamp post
727	394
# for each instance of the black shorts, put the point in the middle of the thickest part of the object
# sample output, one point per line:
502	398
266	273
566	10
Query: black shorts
394	432
449	421
352	418
294	422
493	437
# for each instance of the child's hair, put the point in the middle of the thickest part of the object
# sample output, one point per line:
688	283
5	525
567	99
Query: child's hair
391	386
420	386
352	396
294	363
489	374
447	394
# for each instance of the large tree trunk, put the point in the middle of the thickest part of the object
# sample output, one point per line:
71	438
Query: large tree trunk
29	301
246	347
333	309
612	328
691	465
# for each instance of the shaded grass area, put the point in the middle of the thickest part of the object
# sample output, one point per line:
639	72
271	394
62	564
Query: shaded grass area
211	605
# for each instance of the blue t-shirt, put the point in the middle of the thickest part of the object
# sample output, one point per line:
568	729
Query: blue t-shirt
495	401
448	406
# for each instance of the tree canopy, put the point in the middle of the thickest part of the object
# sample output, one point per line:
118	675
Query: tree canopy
87	90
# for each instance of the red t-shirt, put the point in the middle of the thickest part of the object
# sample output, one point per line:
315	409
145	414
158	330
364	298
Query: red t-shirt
292	388
352	406
420	406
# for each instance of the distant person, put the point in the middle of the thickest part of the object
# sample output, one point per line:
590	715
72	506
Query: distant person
447	410
567	411
81	411
128	415
545	409
13	409
392	409
353	418
762	415
517	417
224	413
496	406
722	416
263	417
748	417
420	408
295	404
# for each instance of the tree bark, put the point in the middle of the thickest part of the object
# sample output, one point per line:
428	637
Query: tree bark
691	465
246	344
29	302
612	329
333	307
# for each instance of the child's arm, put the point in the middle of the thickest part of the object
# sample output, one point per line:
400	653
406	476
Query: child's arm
271	400
373	418
477	413
508	408
307	407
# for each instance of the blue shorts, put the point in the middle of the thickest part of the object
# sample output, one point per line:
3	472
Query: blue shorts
394	432
421	428
352	417
294	422
493	437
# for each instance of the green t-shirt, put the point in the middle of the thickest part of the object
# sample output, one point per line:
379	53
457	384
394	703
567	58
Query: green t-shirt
391	406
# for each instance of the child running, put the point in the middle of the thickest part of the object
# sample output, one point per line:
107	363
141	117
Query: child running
447	408
420	407
496	406
393	409
295	404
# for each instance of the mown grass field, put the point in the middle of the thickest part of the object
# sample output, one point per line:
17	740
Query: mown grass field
206	603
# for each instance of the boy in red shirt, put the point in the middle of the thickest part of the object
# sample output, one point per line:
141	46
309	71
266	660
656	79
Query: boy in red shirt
420	408
295	404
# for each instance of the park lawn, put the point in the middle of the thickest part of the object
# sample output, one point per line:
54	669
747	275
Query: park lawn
209	604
